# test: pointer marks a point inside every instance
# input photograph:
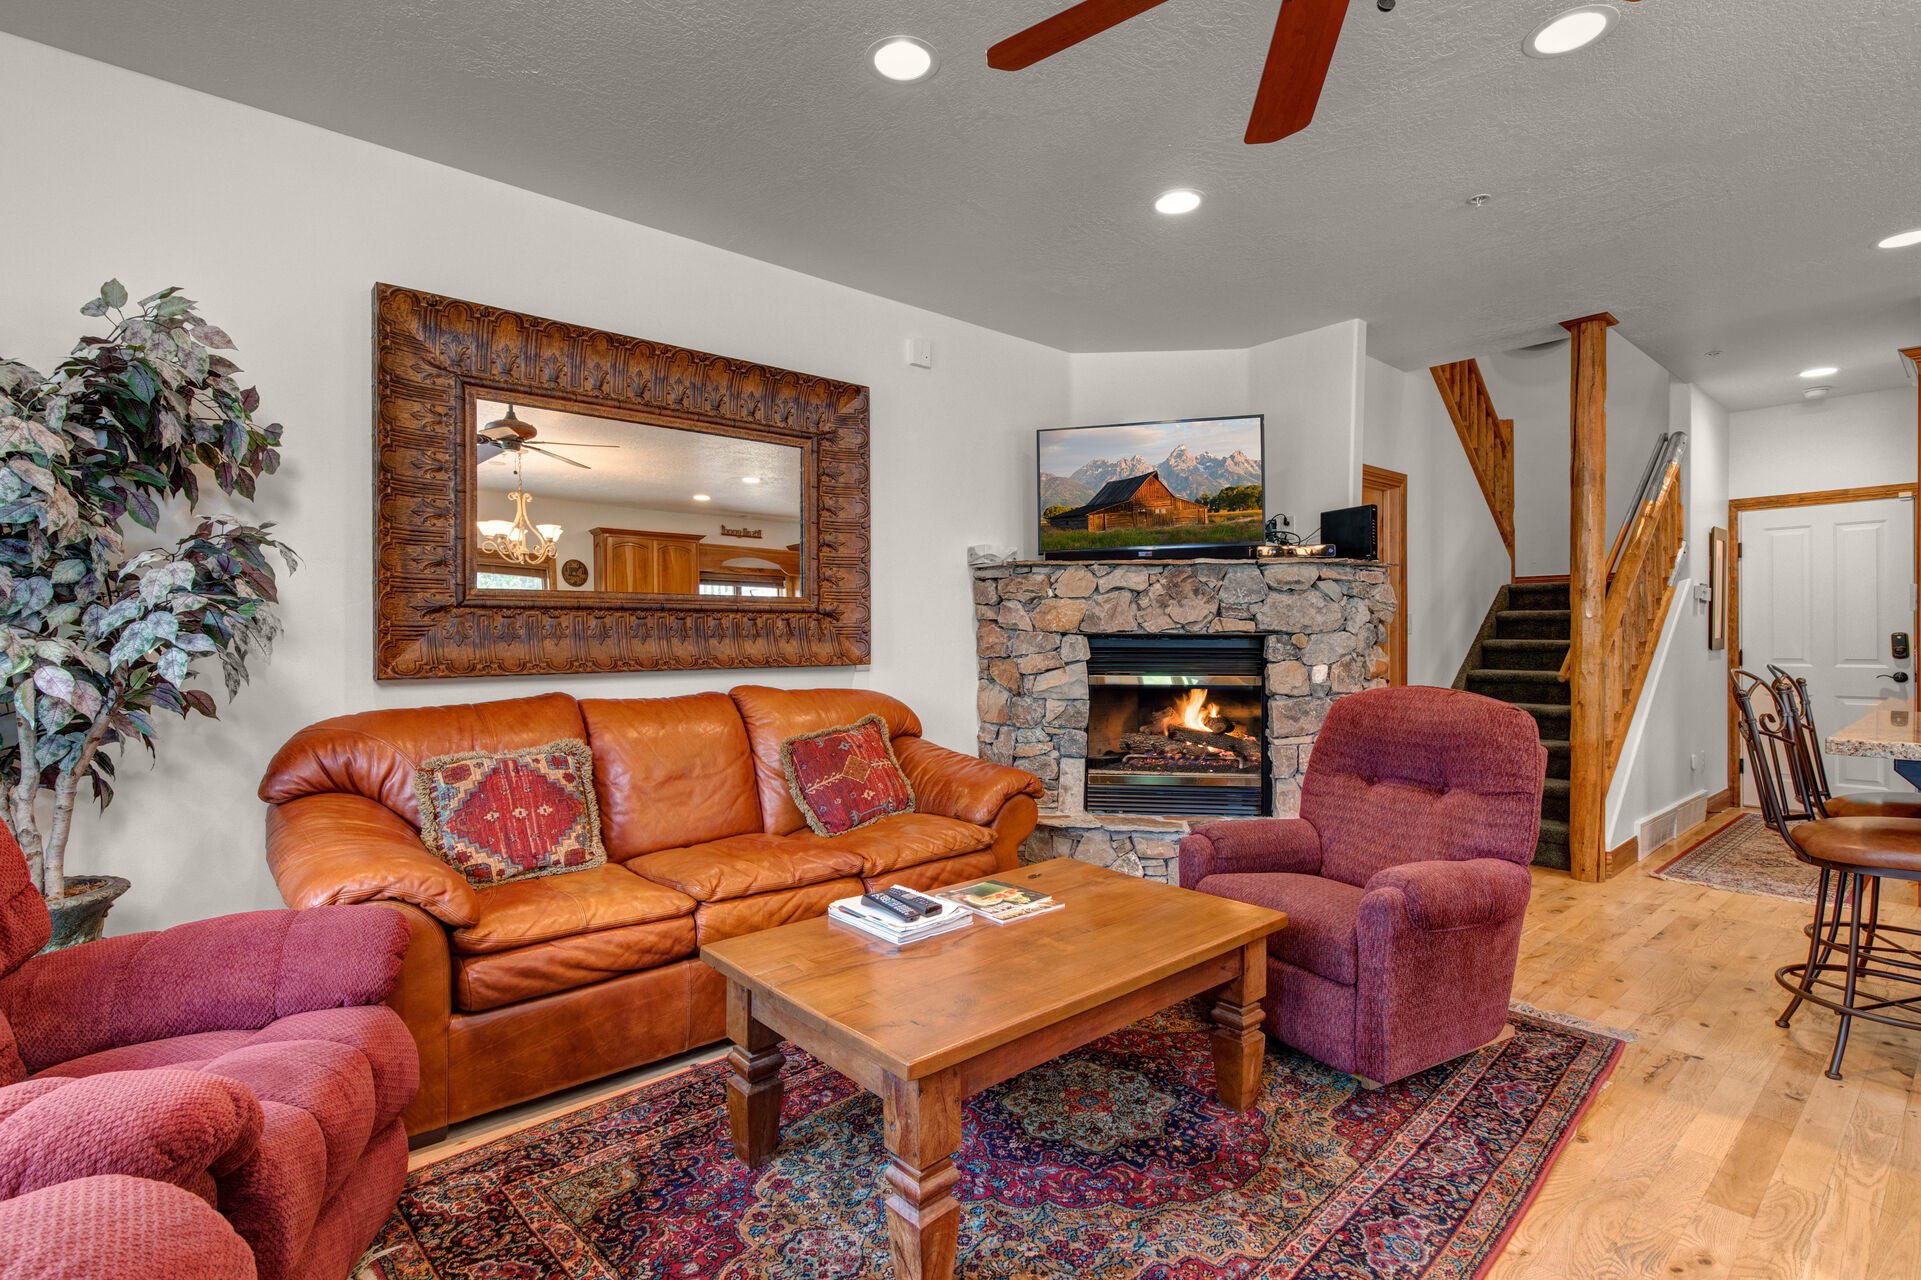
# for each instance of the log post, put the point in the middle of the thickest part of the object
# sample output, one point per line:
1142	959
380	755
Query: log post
1587	590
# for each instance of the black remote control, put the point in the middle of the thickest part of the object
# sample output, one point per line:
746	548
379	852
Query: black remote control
885	902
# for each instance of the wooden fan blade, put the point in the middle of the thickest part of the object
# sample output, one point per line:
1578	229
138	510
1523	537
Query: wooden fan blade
557	457
1063	31
1304	38
576	444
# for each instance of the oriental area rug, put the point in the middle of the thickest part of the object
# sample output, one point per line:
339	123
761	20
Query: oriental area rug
1116	1160
1747	857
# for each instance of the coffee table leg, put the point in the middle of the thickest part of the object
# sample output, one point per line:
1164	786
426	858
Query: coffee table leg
753	1085
923	1130
1240	1046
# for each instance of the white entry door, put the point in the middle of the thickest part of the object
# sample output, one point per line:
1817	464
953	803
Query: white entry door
1823	591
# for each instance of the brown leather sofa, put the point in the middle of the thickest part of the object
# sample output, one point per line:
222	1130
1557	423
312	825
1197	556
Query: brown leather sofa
520	989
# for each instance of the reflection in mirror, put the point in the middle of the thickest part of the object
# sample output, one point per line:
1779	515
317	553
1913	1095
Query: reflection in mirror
572	502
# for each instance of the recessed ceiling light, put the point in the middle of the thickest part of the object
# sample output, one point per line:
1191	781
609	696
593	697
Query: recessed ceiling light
1567	32
1820	371
703	497
1179	200
750	479
1906	239
903	59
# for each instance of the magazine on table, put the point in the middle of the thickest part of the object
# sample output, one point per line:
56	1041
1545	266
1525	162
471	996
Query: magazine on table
1000	902
942	917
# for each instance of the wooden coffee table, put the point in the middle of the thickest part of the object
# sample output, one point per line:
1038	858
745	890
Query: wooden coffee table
929	1024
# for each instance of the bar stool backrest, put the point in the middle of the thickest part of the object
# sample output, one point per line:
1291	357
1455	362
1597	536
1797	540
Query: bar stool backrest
1810	736
1770	730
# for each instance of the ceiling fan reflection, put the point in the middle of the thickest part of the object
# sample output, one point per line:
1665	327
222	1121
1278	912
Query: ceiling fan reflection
509	434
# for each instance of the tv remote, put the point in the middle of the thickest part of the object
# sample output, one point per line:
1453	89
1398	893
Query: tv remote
884	902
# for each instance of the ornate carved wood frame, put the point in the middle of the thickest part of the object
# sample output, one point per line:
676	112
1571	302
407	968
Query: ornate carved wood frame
434	356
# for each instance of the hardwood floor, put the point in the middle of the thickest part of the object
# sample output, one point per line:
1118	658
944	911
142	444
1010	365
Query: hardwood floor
1718	1148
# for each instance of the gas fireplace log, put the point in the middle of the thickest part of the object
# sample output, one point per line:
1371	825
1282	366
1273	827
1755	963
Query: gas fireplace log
1155	744
1246	748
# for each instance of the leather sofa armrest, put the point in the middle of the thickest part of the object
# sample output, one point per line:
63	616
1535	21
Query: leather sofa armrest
958	786
1250	845
329	849
176	1126
1452	895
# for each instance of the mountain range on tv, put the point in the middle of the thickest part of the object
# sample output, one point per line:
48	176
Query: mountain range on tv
1186	473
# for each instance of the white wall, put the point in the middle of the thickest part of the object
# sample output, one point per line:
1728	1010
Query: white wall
1531	387
281	230
1150	386
1310	387
1683	710
1840	443
1455	558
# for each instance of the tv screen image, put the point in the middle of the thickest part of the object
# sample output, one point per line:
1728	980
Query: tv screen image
1138	485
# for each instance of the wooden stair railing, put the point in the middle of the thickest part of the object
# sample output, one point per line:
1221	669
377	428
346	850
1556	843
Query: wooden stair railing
1487	437
1638	598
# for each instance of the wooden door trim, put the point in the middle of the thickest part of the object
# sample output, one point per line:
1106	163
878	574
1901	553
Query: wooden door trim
1395	483
1774	502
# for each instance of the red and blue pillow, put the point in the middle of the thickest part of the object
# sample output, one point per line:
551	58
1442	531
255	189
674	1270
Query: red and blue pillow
512	815
846	777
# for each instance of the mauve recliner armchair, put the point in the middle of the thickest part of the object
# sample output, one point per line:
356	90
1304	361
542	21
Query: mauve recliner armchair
244	1065
1404	879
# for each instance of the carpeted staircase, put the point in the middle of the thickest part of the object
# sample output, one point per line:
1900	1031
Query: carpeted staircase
1517	658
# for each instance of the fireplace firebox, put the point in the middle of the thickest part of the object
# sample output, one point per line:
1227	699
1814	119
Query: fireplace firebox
1177	726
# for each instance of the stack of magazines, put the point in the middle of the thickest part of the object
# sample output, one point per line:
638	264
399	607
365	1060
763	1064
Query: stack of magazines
1001	903
942	917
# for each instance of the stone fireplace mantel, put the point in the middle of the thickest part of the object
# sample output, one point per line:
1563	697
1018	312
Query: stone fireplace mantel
1323	623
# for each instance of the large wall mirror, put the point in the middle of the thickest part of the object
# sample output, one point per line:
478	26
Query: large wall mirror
558	499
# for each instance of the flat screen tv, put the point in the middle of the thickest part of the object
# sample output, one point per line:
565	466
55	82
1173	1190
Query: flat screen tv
1187	488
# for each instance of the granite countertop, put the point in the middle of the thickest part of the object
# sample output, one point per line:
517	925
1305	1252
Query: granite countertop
1892	730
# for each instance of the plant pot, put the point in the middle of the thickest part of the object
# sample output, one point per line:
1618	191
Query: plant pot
80	914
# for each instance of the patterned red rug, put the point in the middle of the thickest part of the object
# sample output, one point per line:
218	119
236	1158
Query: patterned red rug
1113	1161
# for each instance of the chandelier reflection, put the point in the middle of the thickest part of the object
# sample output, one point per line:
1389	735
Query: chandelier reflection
518	541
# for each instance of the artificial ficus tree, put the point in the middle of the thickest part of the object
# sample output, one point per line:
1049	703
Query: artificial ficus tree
98	638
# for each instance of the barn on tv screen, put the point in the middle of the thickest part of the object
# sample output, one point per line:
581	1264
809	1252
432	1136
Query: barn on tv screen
1151	484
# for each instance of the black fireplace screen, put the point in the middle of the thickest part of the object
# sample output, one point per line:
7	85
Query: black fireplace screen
1177	726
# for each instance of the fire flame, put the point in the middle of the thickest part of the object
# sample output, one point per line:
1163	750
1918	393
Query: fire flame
1193	711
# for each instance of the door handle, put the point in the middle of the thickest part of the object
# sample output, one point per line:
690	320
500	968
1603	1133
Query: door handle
1899	677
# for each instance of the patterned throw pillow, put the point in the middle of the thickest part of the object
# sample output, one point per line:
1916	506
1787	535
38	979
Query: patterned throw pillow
845	777
512	815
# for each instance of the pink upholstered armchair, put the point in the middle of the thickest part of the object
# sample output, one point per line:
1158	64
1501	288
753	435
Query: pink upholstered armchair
244	1064
1404	879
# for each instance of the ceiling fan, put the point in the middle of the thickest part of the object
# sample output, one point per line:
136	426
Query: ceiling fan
510	435
1304	38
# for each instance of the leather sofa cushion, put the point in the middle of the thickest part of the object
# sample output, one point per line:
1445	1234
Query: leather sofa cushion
903	840
374	753
742	866
529	911
503	977
735	916
774	715
1321	918
670	772
929	876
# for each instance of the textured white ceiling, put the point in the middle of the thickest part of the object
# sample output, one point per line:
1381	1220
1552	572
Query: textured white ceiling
1715	173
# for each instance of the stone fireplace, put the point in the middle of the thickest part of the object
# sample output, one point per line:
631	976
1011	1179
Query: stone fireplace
1148	694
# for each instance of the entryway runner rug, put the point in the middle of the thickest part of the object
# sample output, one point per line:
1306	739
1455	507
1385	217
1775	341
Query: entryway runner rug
1747	857
1115	1160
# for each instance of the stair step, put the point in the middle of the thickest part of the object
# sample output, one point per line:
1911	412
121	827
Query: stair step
1554	721
1553	849
1533	624
1524	655
1522	686
1538	595
1560	759
1554	799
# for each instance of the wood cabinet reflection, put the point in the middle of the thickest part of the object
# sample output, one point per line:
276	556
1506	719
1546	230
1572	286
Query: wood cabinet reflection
642	560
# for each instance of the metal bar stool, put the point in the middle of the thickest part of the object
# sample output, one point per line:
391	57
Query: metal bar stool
1861	804
1850	952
